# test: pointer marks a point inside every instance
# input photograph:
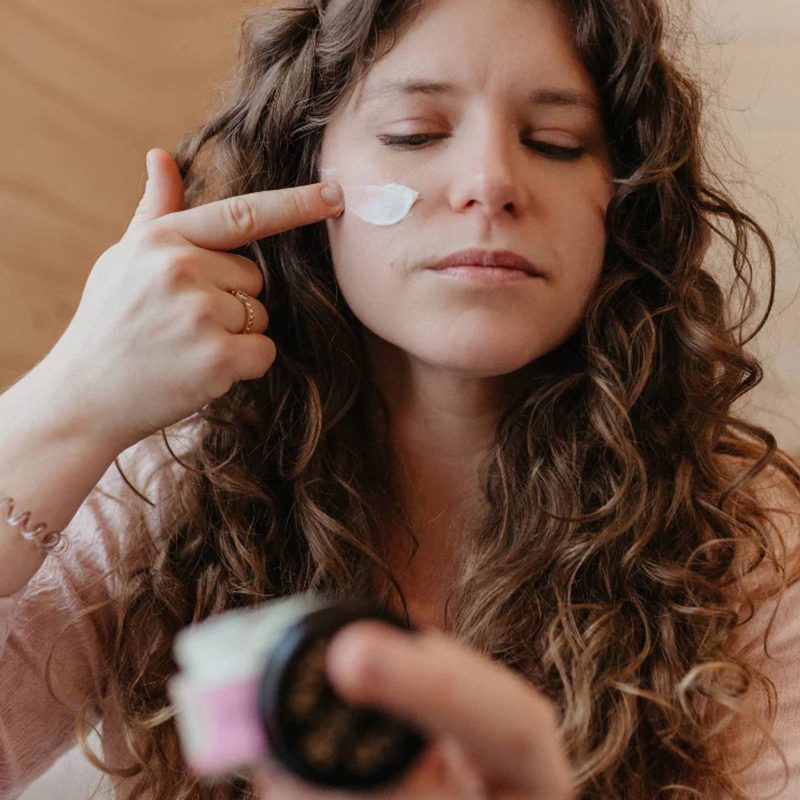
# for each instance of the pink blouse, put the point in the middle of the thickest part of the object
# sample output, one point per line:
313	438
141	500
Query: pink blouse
35	728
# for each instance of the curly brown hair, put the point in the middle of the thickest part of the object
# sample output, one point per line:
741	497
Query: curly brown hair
624	512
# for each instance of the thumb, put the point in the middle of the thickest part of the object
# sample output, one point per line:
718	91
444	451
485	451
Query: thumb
163	191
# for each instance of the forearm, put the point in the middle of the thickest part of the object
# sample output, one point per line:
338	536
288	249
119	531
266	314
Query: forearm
50	459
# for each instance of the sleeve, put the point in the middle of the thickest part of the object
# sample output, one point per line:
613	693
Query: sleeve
7	608
767	776
764	773
41	620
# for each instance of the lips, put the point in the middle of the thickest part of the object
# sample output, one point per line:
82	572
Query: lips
487	258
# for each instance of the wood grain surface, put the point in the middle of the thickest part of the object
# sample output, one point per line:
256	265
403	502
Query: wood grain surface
87	87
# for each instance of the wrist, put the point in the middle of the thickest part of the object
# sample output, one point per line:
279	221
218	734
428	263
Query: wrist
49	400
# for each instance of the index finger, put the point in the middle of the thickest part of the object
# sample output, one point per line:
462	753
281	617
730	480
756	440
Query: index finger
236	221
502	723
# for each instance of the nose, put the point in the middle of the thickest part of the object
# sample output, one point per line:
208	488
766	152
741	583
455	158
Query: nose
488	178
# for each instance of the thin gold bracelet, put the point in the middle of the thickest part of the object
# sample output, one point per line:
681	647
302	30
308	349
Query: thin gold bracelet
50	542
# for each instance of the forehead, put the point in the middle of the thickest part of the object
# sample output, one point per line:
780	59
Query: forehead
553	96
454	47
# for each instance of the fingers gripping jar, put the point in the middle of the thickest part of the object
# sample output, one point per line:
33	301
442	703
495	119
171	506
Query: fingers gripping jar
252	686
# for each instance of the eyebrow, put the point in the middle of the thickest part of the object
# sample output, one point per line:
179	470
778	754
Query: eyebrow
543	96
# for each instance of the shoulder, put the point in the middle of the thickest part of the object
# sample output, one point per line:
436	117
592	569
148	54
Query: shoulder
765	587
767	639
775	530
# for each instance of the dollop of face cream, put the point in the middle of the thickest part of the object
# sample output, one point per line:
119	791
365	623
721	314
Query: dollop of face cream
377	205
381	205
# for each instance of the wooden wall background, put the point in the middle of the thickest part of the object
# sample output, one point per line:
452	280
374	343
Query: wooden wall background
88	86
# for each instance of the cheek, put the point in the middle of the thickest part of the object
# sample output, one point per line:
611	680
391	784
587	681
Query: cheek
353	243
581	235
367	262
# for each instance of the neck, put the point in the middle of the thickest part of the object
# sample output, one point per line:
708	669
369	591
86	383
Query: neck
442	425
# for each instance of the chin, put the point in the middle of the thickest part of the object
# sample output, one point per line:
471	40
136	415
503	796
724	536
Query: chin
485	359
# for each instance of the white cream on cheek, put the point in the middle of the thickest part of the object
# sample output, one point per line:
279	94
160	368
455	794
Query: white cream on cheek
377	205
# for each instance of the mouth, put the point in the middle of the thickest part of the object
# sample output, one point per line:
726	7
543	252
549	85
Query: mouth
497	260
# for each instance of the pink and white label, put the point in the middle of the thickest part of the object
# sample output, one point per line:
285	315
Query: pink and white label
220	726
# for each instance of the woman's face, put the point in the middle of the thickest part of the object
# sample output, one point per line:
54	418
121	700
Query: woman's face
490	176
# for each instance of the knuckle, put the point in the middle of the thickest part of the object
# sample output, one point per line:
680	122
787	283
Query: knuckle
270	352
258	279
151	236
180	268
201	309
253	273
219	385
302	204
241	216
219	359
261	316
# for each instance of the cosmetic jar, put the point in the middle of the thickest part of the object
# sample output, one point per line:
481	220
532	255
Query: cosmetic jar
252	688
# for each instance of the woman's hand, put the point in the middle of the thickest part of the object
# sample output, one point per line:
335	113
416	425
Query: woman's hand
156	334
492	734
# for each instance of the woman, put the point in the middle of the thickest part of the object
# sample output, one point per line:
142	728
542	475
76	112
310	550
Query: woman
539	466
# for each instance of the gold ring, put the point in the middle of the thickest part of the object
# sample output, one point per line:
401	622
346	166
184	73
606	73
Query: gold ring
245	298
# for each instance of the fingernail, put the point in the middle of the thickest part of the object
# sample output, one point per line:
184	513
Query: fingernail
331	193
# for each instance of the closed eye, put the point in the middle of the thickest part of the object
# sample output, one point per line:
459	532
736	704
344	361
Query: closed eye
413	142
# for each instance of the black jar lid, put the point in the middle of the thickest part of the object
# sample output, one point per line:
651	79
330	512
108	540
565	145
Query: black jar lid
310	729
